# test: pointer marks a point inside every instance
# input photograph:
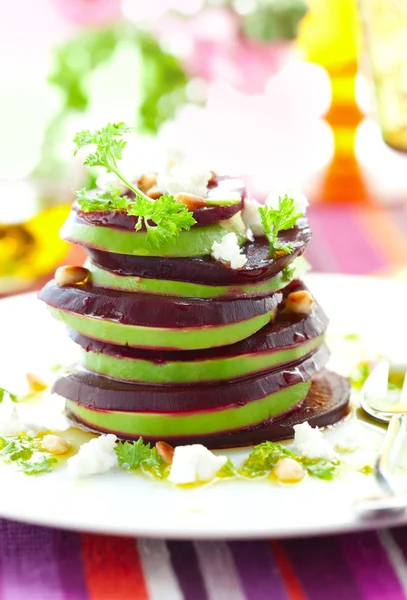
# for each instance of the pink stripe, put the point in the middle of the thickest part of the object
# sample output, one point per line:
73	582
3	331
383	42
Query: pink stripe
341	242
371	567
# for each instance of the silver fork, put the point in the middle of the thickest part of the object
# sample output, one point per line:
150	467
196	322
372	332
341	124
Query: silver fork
389	502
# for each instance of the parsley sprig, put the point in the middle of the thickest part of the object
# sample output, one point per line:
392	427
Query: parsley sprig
279	219
137	455
264	458
3	392
164	218
20	450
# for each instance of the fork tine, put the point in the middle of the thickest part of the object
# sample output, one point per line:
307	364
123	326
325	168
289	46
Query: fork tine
403	393
376	385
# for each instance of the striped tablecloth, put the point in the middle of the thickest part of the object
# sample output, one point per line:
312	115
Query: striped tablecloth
40	564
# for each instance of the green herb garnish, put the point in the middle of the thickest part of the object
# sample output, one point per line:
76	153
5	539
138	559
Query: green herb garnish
135	455
20	449
3	392
264	458
359	374
288	273
43	465
164	218
276	220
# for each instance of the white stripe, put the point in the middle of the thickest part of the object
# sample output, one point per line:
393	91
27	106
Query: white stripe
395	555
219	571
161	580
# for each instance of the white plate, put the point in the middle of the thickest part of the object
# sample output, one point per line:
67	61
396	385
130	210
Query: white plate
129	504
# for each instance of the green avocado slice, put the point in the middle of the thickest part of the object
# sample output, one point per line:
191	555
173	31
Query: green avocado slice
197	241
182	289
178	372
136	336
165	426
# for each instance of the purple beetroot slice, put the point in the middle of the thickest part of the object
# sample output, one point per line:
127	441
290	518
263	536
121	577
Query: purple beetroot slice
327	403
202	216
206	270
96	391
144	310
285	331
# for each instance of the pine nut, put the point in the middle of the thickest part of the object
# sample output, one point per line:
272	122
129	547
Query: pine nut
289	470
154	192
165	451
300	302
55	444
71	275
147	181
190	200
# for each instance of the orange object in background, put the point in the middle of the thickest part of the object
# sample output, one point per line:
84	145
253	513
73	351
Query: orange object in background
329	36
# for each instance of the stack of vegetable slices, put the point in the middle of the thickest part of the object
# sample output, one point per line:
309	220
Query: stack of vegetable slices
177	345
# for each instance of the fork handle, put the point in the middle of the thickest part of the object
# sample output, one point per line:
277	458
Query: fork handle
390	501
396	433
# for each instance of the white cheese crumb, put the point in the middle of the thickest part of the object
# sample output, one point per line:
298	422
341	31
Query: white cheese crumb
310	442
229	251
300	201
176	176
96	456
194	463
10	423
251	217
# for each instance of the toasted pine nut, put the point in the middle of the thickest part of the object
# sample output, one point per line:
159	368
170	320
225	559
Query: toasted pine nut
154	192
71	275
214	177
190	200
35	384
289	470
165	451
147	181
300	302
55	444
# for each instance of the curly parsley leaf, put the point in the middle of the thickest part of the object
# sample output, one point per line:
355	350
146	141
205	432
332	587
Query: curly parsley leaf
17	447
135	455
263	458
109	199
3	392
169	218
163	219
279	219
43	465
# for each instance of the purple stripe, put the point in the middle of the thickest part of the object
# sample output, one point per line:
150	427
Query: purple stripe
371	568
342	241
27	559
322	569
68	551
258	572
185	564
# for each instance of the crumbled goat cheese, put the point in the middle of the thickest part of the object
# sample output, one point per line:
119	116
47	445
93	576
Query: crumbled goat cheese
229	251
176	176
96	456
310	442
194	463
251	217
300	201
180	179
10	423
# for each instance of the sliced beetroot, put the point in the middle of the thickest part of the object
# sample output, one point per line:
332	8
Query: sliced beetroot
128	308
286	331
202	216
206	270
327	403
96	391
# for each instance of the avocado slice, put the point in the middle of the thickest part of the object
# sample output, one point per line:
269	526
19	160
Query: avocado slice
108	279
197	241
